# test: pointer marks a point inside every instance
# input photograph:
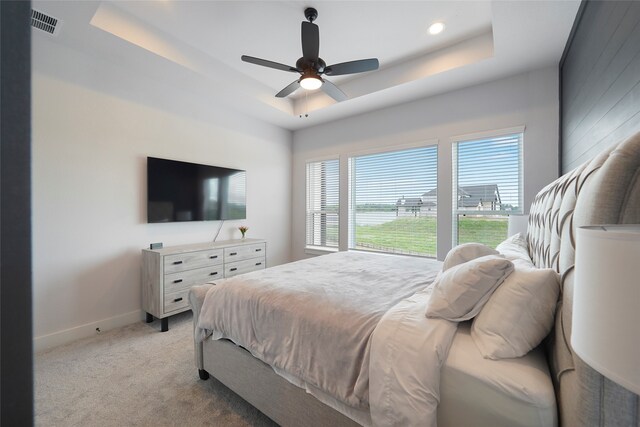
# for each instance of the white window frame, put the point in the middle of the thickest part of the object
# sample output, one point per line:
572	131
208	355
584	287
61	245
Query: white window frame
319	249
454	175
350	224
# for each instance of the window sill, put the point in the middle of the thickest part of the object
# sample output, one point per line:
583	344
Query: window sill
319	250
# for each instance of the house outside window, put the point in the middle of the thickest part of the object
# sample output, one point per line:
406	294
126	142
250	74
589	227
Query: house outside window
487	187
323	204
392	201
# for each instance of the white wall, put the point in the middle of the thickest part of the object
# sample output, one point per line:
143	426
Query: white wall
93	127
529	99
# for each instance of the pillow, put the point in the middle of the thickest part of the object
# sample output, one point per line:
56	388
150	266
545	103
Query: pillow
460	292
519	314
466	252
515	249
518	239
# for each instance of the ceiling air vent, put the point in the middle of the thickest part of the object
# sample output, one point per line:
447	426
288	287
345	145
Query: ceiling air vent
44	22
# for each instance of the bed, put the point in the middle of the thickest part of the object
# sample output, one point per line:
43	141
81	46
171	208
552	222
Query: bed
548	386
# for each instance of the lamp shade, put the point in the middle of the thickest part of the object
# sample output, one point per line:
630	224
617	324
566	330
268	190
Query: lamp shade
517	224
606	302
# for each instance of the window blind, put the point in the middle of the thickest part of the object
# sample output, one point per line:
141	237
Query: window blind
393	201
323	203
487	187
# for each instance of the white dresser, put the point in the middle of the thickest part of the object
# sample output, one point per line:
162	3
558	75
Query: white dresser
168	273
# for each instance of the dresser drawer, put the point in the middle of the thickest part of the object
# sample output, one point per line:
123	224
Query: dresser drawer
176	300
239	267
239	253
185	279
191	260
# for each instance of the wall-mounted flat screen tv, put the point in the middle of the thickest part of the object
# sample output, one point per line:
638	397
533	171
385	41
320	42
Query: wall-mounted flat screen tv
180	191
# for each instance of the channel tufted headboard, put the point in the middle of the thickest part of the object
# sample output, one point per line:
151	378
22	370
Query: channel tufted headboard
605	190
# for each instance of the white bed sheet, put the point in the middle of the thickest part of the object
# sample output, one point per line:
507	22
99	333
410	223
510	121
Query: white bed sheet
472	390
478	392
482	392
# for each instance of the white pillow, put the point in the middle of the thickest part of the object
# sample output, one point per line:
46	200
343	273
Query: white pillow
460	292
519	314
518	239
515	249
466	252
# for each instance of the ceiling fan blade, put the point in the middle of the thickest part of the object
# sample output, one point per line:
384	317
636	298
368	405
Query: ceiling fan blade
310	41
288	90
333	91
352	67
269	64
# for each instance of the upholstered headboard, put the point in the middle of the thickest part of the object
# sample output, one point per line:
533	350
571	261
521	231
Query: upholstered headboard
605	190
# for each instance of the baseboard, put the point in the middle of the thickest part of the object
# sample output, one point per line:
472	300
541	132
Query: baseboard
45	342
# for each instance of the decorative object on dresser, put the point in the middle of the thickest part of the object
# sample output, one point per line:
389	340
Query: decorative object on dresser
605	305
168	273
243	229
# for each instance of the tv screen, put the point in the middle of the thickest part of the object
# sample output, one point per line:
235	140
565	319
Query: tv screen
180	191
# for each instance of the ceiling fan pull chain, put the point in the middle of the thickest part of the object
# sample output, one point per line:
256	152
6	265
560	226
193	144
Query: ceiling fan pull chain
306	105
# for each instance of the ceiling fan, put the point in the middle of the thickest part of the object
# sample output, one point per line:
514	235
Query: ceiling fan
311	67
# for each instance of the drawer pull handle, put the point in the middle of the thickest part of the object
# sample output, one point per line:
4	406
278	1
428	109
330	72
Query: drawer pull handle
258	250
234	269
177	262
233	253
213	274
213	257
177	281
258	263
177	299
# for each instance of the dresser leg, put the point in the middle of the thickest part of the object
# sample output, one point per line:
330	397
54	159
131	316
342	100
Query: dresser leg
164	324
149	318
204	375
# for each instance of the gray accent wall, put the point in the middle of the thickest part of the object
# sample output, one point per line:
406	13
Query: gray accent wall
600	80
16	360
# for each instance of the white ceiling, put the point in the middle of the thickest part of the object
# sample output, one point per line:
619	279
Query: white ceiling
199	44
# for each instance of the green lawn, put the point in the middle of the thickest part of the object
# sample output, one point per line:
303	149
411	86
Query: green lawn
472	229
422	239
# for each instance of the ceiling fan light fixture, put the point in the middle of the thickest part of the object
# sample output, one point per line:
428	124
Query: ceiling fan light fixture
311	82
436	28
311	67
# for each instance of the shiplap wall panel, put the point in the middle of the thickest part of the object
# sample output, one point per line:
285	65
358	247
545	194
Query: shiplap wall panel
617	56
616	105
581	56
601	81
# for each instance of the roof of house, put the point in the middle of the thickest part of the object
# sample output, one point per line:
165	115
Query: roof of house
409	202
473	195
431	193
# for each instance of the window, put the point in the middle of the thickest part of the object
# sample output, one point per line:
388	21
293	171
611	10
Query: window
487	187
323	203
393	201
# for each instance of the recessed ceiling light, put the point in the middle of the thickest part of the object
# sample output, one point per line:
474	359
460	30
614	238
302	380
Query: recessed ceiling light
436	28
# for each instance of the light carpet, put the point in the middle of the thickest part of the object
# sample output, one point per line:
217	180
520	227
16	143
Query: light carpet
134	376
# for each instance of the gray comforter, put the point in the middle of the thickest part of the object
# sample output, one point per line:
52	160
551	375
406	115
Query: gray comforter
314	318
